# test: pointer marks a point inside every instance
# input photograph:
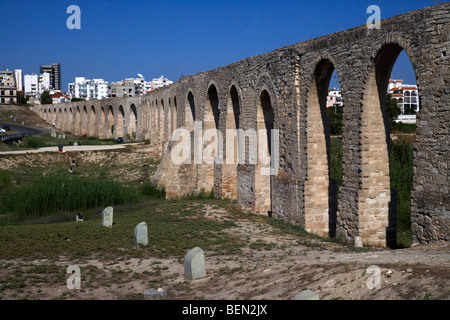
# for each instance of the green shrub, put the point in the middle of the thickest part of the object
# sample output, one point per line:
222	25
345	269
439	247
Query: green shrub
151	190
404	127
336	160
5	178
34	142
401	174
335	115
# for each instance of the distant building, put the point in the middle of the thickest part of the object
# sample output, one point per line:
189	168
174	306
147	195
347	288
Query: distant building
334	98
95	89
59	98
55	74
124	88
8	91
56	67
407	97
158	83
31	84
18	77
44	82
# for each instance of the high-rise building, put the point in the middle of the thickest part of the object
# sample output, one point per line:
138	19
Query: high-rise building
55	74
56	69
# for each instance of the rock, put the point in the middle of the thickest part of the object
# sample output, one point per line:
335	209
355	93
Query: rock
307	295
409	270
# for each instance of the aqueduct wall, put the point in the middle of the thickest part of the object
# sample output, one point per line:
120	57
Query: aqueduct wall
286	90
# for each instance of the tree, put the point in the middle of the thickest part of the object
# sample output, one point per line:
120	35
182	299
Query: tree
21	99
335	115
46	98
393	109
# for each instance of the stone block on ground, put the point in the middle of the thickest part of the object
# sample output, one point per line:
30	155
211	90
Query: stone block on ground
194	264
307	295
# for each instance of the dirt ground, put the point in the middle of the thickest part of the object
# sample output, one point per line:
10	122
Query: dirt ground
279	269
275	273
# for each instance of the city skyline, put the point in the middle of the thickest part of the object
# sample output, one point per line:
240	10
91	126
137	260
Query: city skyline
118	40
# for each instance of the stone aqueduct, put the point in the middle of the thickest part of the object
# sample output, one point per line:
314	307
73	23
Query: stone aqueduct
286	89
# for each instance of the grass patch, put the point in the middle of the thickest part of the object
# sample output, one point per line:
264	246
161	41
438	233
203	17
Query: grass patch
170	234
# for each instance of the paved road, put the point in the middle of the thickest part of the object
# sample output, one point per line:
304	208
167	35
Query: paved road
69	148
26	131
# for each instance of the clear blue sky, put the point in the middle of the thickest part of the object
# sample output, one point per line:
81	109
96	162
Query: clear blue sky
119	39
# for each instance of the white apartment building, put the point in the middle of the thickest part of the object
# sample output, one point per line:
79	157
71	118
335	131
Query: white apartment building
31	84
158	83
18	75
44	82
334	98
95	89
407	97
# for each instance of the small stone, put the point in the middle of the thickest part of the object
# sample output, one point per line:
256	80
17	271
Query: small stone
141	235
409	270
107	217
358	242
152	294
307	295
194	264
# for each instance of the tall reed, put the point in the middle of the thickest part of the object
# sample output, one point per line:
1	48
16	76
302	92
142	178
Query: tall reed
51	194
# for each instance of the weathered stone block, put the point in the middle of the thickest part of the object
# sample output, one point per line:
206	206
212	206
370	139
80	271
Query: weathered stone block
194	264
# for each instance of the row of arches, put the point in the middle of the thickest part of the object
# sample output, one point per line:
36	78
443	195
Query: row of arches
104	122
372	212
159	120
